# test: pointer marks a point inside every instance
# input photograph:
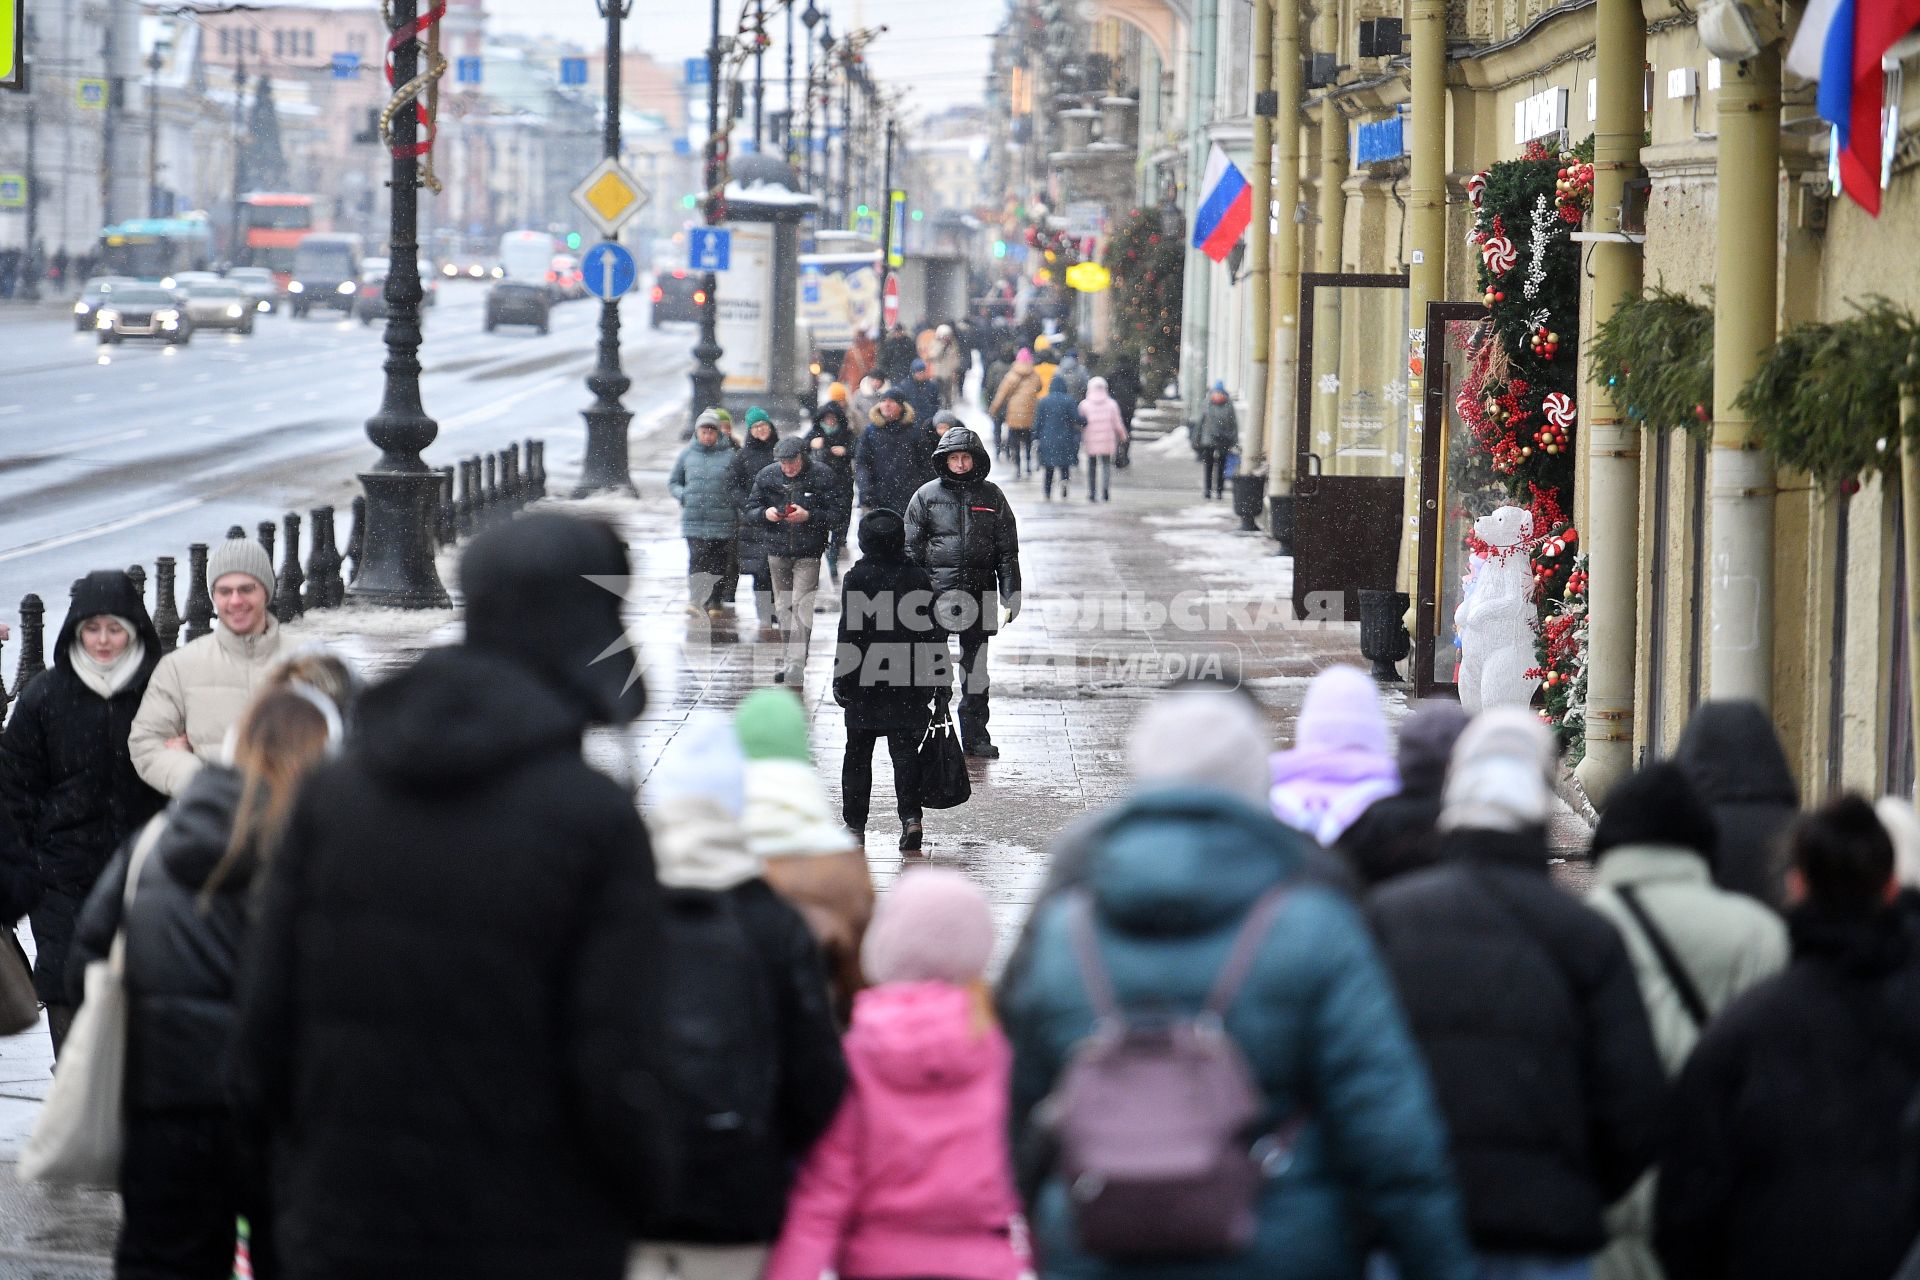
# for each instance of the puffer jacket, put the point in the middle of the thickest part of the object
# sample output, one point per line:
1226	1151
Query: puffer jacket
1056	430
923	397
1106	428
67	779
183	947
833	448
701	482
889	657
1219	426
199	689
1553	1094
1732	755
1014	400
893	459
1172	874
814	490
748	462
961	530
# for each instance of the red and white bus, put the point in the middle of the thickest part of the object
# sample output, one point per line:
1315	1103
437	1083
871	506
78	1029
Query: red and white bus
272	224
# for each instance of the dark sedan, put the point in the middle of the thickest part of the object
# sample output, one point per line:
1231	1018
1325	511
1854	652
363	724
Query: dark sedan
677	295
518	302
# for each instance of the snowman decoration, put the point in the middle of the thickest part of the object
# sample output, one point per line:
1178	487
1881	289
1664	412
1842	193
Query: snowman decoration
1496	621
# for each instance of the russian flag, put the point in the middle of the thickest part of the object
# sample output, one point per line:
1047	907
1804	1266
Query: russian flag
1226	206
1840	43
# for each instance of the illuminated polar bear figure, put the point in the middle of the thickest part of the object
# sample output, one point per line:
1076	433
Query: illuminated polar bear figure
1496	621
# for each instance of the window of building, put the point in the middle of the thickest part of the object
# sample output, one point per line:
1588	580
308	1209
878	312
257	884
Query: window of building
279	44
226	42
253	42
306	43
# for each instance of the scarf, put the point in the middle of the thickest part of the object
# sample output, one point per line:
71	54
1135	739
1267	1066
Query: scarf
108	678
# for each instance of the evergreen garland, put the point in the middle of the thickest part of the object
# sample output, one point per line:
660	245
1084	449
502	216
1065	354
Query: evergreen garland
1148	269
1657	351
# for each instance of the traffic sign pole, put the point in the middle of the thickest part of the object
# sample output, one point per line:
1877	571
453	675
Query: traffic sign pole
609	196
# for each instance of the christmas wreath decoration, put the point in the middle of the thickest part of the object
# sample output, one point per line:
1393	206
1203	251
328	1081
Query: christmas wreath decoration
1148	269
1657	350
1519	398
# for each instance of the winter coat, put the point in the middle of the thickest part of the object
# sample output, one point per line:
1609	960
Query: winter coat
886	668
448	1023
1793	1152
701	482
913	1178
748	462
821	444
19	878
1219	426
1172	876
1733	757
183	947
961	530
1045	367
1398	833
1014	400
894	459
861	359
1072	375
945	361
1552	1093
67	778
199	689
814	490
1341	760
1056	430
897	354
1105	429
1123	384
923	397
1725	942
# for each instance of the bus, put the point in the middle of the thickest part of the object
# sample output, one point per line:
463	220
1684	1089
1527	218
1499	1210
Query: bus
272	224
155	248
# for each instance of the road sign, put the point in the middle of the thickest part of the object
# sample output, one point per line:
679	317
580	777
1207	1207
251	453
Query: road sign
709	248
573	71
91	94
609	195
896	228
695	71
1088	277
346	66
890	302
13	190
608	270
466	69
13	39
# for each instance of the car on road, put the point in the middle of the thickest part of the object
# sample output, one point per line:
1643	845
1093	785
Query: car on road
677	295
179	280
429	286
371	304
258	285
218	304
93	295
143	311
567	280
518	302
326	273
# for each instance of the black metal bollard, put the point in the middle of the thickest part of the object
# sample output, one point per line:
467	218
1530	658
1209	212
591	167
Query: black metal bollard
137	574
33	628
510	478
539	448
325	590
357	540
490	463
235	531
287	604
448	527
267	531
166	618
463	504
199	601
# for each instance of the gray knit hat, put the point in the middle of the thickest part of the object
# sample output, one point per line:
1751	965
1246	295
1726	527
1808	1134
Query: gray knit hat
241	555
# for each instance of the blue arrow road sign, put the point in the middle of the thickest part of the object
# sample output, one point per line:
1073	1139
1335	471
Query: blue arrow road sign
709	249
573	71
695	71
608	270
466	70
346	66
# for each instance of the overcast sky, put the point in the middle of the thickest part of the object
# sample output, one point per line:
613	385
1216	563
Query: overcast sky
938	47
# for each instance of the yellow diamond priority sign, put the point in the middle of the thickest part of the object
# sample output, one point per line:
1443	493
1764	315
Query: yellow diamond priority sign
609	195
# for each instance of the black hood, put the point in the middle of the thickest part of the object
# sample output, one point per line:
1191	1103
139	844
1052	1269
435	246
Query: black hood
963	440
1426	744
107	591
459	716
1657	805
544	591
831	409
199	825
1732	755
883	536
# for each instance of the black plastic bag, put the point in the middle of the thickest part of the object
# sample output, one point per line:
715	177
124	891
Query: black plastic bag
1123	455
943	765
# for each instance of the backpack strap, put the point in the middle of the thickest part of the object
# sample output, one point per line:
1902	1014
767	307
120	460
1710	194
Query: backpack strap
1246	949
1086	949
1683	984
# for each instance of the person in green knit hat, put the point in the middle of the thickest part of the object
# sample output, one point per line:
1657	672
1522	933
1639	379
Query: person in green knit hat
811	860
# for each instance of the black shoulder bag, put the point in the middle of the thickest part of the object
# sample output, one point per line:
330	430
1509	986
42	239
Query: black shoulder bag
1683	985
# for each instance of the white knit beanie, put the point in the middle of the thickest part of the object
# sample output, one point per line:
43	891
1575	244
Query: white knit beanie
240	555
1205	738
1499	775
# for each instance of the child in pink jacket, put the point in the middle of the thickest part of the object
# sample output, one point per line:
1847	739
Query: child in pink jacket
913	1178
1105	432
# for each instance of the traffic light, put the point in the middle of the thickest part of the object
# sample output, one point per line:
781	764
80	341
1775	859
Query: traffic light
573	239
689	200
999	248
860	211
918	215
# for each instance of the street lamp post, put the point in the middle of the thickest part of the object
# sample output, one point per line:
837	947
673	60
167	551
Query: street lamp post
605	466
403	494
153	133
706	376
810	18
759	71
786	127
30	262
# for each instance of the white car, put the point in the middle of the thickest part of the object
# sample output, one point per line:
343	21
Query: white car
143	311
219	304
257	285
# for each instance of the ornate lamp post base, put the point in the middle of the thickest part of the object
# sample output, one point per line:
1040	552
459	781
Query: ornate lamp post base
398	571
605	468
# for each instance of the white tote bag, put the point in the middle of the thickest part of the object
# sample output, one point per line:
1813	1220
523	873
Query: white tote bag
82	1124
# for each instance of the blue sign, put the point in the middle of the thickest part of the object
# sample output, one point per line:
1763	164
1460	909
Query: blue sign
346	66
1380	140
608	270
810	284
709	249
696	71
683	146
466	70
573	71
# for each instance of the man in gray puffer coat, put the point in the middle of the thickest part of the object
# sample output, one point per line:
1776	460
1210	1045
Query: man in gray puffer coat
708	520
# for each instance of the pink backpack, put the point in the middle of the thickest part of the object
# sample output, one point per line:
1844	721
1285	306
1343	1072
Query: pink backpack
1156	1121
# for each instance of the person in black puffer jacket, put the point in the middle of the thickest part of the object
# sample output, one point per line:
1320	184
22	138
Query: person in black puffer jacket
1397	833
1524	1003
186	1173
450	1021
831	444
961	530
895	454
755	456
796	500
889	664
1794	1150
65	775
1734	759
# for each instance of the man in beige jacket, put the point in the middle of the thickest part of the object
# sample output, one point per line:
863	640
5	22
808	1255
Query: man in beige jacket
199	690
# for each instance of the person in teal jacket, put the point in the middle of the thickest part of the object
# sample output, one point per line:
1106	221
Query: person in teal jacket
1056	434
707	518
1172	874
